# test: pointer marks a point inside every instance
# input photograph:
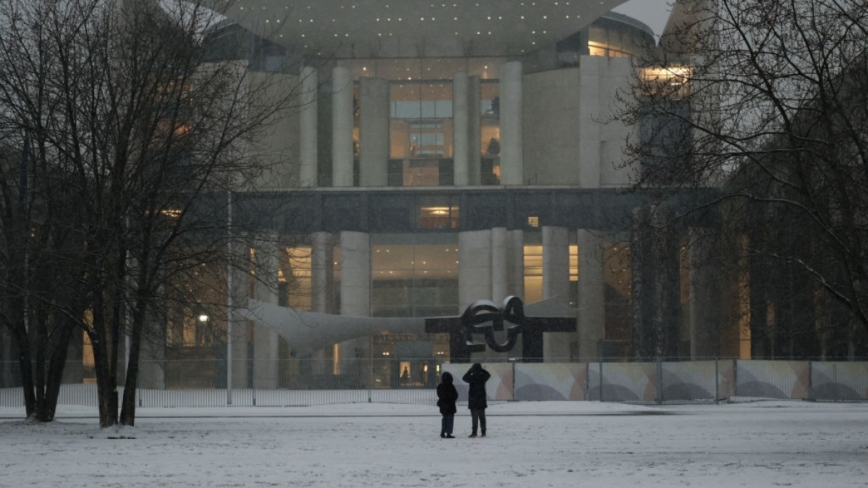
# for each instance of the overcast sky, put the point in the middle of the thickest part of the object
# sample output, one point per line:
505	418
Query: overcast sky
651	12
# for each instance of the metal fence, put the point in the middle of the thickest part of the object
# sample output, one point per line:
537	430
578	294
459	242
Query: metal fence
413	381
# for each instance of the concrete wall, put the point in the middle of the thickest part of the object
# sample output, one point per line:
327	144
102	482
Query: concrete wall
474	268
278	145
551	127
568	136
615	76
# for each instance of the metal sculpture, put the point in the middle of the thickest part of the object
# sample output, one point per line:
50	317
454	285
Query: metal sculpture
484	317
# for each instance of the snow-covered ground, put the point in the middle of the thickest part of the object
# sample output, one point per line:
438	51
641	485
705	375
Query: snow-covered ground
551	444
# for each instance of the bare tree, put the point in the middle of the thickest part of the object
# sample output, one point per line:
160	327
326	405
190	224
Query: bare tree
145	136
766	102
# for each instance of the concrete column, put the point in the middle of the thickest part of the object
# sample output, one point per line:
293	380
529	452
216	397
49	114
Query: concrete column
242	329
556	263
242	350
308	128
266	341
556	284
342	127
474	114
516	263
591	299
321	270
460	135
152	374
589	128
705	291
355	290
511	146
499	265
374	132
474	267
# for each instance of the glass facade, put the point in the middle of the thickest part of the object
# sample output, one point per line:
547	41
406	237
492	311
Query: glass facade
489	126
414	276
533	273
612	36
294	277
420	134
421	149
438	212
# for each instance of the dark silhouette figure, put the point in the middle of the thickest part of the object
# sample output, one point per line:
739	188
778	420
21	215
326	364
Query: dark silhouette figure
493	148
447	395
476	398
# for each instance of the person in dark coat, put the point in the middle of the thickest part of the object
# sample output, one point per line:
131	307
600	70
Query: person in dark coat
447	395
476	398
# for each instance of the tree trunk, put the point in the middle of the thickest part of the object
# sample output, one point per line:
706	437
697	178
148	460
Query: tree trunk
139	315
128	408
106	390
56	366
27	386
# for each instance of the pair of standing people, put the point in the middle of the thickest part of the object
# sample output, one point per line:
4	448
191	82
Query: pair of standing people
476	401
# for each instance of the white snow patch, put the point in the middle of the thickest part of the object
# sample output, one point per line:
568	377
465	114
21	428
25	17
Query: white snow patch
538	444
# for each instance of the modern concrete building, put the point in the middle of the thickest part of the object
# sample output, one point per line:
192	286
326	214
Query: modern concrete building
448	153
444	153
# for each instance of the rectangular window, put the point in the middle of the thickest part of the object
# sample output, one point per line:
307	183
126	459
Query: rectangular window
489	134
411	279
438	212
420	134
296	274
533	273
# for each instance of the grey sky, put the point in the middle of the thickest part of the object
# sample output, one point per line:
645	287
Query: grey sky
653	13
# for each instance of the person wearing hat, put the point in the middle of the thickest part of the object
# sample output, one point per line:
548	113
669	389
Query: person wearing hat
447	395
476	398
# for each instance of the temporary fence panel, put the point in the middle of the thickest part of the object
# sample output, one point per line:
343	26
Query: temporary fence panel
761	379
623	382
552	381
300	383
839	381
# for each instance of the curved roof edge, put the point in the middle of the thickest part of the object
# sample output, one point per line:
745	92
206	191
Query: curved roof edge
631	21
502	27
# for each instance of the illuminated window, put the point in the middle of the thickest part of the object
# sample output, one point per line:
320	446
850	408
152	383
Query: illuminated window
420	135
295	276
574	263
665	80
533	273
438	213
414	280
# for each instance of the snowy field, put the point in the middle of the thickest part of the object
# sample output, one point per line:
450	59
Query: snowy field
530	445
